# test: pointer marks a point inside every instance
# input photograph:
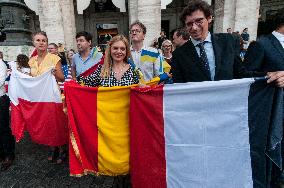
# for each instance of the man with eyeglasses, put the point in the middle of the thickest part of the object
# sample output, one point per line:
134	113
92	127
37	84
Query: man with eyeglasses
206	56
147	59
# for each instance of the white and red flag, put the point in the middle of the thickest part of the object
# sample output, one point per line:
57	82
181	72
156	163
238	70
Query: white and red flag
37	108
191	135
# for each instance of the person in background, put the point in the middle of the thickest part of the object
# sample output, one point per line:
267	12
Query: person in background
180	37
7	141
245	37
53	49
229	30
161	38
23	64
167	49
86	57
147	59
67	75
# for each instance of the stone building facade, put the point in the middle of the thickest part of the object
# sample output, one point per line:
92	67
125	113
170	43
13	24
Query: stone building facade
61	19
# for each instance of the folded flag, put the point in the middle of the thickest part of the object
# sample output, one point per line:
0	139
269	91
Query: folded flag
191	135
37	107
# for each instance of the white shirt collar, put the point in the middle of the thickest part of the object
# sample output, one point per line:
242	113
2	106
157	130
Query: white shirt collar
279	36
207	39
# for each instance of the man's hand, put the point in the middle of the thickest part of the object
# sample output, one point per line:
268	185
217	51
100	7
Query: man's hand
276	77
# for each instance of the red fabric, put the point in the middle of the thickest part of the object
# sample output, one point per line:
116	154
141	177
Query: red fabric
17	122
147	148
82	122
93	68
34	53
45	122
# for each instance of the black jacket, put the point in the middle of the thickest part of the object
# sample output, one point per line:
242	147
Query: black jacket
186	65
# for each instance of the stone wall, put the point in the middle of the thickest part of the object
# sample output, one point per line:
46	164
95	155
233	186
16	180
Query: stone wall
11	52
237	14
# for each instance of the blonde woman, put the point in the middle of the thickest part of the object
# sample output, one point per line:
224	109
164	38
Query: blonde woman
115	71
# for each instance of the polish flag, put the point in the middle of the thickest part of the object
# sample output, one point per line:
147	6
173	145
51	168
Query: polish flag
37	108
191	135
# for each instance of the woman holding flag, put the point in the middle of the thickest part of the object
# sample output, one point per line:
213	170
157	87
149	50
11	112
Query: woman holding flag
39	64
113	70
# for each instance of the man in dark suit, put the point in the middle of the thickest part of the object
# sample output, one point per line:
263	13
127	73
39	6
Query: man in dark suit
267	55
206	56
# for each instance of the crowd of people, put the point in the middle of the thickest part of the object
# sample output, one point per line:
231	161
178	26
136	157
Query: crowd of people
193	55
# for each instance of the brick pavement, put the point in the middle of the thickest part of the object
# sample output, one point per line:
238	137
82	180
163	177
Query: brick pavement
31	169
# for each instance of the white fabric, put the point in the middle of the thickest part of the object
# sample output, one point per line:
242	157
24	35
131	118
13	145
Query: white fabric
42	88
279	37
207	134
3	75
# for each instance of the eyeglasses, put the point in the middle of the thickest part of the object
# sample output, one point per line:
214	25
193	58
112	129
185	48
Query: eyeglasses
167	46
198	22
135	31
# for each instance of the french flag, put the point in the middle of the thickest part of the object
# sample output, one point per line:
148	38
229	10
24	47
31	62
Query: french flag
192	135
37	108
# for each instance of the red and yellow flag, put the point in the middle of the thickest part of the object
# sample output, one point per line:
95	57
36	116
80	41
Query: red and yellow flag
99	129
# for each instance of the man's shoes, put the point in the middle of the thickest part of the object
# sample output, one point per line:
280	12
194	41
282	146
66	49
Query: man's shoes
6	163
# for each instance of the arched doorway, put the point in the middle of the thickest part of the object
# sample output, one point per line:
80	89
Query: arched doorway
103	20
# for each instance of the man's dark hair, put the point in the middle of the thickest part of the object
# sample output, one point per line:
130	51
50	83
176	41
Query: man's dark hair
140	24
181	31
85	34
1	55
194	6
279	20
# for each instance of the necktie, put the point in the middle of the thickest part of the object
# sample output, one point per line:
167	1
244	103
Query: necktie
204	59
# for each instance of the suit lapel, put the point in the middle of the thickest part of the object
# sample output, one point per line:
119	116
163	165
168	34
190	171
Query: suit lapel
275	42
217	53
196	59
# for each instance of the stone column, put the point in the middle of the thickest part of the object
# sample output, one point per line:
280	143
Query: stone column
149	13
225	11
247	13
69	27
50	17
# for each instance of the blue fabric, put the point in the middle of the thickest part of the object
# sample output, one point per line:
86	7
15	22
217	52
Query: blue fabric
65	70
83	65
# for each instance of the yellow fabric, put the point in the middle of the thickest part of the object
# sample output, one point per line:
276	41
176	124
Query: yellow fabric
147	58
113	130
50	60
166	67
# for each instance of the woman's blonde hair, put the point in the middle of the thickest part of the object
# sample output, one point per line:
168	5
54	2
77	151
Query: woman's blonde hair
108	59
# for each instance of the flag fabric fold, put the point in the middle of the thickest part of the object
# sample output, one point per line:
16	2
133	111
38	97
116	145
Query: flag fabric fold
191	135
37	107
99	129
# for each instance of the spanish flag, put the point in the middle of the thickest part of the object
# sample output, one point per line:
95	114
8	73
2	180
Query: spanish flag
99	129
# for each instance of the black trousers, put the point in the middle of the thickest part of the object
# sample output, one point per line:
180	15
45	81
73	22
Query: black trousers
7	140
